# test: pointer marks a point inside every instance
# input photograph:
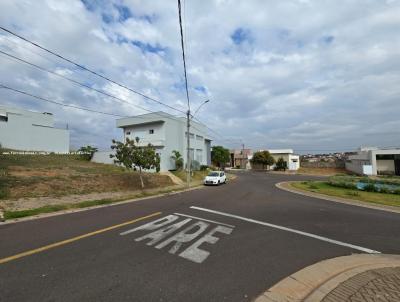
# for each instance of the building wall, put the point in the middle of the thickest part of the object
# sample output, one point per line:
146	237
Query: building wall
169	135
385	165
31	131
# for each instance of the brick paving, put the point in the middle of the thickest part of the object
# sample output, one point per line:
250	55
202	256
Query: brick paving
378	285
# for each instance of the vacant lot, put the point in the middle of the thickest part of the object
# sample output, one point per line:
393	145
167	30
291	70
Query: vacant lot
32	176
322	171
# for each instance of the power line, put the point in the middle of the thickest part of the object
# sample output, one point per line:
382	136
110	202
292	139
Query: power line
58	103
72	80
91	71
183	54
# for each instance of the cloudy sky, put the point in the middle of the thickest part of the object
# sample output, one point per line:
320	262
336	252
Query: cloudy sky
310	75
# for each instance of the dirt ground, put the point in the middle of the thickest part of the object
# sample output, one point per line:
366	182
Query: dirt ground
28	181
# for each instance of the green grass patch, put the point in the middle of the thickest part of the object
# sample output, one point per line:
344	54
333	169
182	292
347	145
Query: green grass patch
326	188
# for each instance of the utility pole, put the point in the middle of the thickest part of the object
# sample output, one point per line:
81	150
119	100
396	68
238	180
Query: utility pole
188	163
243	157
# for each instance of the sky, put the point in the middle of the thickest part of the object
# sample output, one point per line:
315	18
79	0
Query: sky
316	76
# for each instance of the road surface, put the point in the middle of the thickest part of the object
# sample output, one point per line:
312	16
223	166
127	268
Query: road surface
225	243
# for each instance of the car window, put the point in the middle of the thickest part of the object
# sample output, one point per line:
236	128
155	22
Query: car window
213	174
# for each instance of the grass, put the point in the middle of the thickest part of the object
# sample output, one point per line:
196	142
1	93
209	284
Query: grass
197	176
321	171
54	175
79	205
325	188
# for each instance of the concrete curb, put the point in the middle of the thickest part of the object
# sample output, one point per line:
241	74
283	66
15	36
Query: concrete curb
45	215
314	282
286	187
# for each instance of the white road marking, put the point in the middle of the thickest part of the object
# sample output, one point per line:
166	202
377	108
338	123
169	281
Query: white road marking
356	247
161	228
212	221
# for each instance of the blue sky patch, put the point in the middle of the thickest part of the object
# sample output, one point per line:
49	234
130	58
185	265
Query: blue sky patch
123	11
240	35
146	47
201	89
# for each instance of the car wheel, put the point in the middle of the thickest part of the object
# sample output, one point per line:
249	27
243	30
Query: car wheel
218	183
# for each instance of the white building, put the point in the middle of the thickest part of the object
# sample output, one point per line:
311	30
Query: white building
31	131
168	133
292	160
375	161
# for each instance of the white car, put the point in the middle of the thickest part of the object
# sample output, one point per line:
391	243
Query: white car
215	178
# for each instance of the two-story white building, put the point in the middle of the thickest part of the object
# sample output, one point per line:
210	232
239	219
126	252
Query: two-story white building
168	133
26	130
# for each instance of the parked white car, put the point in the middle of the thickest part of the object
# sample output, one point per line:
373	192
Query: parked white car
215	178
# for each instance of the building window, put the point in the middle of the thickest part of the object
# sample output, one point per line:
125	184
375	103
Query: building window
3	117
199	137
199	155
128	133
191	135
151	131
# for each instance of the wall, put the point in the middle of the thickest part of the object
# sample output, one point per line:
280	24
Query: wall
355	166
103	157
385	165
320	164
32	131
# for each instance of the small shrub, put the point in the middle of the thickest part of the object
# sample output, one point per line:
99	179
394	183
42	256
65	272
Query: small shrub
313	186
203	167
370	187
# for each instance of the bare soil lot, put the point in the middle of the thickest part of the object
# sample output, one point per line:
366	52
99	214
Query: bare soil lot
30	177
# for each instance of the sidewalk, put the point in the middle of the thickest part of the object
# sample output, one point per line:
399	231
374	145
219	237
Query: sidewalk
355	278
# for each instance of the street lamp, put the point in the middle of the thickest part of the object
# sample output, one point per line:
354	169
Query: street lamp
188	161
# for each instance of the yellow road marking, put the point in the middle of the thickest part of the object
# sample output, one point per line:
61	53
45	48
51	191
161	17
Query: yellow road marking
56	244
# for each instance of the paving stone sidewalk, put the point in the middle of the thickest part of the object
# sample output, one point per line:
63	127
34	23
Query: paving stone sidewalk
381	285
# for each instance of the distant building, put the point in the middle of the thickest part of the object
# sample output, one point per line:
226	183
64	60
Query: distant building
168	133
292	160
26	130
374	161
239	158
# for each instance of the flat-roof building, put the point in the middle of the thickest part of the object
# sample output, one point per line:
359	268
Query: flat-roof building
27	130
374	161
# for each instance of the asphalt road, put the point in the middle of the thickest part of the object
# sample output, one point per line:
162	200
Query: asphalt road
207	257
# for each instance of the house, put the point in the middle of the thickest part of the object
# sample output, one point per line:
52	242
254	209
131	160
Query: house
374	161
168	133
292	160
240	158
26	130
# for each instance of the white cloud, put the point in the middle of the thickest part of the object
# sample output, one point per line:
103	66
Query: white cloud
309	74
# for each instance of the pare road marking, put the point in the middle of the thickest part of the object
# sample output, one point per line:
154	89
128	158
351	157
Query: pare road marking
355	247
178	230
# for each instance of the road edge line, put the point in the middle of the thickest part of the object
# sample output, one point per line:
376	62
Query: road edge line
73	239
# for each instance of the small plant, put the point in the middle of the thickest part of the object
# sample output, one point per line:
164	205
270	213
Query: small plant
281	164
177	158
370	187
203	167
313	186
87	152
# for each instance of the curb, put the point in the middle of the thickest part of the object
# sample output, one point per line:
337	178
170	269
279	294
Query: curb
285	186
46	215
316	281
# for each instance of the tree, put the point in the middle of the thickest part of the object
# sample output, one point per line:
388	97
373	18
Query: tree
263	158
219	156
87	152
177	158
133	156
281	164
